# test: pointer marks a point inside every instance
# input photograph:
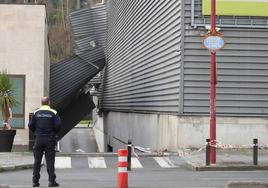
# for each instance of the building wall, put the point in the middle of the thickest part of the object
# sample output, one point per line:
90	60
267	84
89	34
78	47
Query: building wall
157	67
242	66
46	61
143	56
23	51
162	132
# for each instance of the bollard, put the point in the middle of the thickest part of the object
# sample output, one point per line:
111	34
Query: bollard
122	176
255	151
207	152
129	146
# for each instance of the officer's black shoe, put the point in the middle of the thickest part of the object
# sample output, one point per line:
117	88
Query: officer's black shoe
53	184
36	184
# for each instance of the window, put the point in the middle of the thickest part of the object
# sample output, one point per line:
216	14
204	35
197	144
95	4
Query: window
19	110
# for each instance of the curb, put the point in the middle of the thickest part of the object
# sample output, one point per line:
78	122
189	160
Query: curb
246	184
4	186
15	167
194	167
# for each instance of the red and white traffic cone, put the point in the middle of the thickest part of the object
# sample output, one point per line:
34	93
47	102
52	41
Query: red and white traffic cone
122	176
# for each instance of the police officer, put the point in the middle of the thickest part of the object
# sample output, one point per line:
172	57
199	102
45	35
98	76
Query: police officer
45	124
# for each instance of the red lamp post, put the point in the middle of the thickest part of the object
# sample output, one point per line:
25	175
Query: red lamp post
213	87
213	41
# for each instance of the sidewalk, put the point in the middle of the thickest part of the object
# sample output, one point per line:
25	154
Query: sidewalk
15	161
226	159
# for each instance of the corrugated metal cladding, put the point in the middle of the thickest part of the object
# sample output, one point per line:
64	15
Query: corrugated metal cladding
67	78
70	75
76	111
89	26
143	56
242	67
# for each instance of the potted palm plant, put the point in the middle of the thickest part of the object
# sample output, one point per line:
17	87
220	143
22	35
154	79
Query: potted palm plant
7	101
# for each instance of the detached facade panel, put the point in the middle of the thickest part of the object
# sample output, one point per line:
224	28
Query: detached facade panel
157	77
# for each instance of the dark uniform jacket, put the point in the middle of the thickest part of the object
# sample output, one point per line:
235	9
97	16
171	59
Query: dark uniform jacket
45	121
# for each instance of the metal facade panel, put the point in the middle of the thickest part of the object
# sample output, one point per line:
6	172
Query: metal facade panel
89	26
99	16
85	44
68	77
75	111
143	56
81	21
242	70
92	55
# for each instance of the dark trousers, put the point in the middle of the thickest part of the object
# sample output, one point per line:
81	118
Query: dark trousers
44	144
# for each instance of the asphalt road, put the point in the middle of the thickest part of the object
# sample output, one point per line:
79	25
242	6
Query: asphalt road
79	140
150	176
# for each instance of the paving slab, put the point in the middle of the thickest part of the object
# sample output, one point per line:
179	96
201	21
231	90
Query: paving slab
226	159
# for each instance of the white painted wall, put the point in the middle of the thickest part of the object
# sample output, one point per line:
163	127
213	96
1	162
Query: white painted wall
99	134
169	132
24	51
98	127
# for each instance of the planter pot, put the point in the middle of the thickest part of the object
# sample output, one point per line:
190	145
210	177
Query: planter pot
6	140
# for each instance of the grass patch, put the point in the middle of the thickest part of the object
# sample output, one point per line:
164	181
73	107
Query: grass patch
1	169
85	122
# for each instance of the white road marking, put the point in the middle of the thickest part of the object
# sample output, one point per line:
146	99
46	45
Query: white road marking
96	162
164	162
63	162
135	163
